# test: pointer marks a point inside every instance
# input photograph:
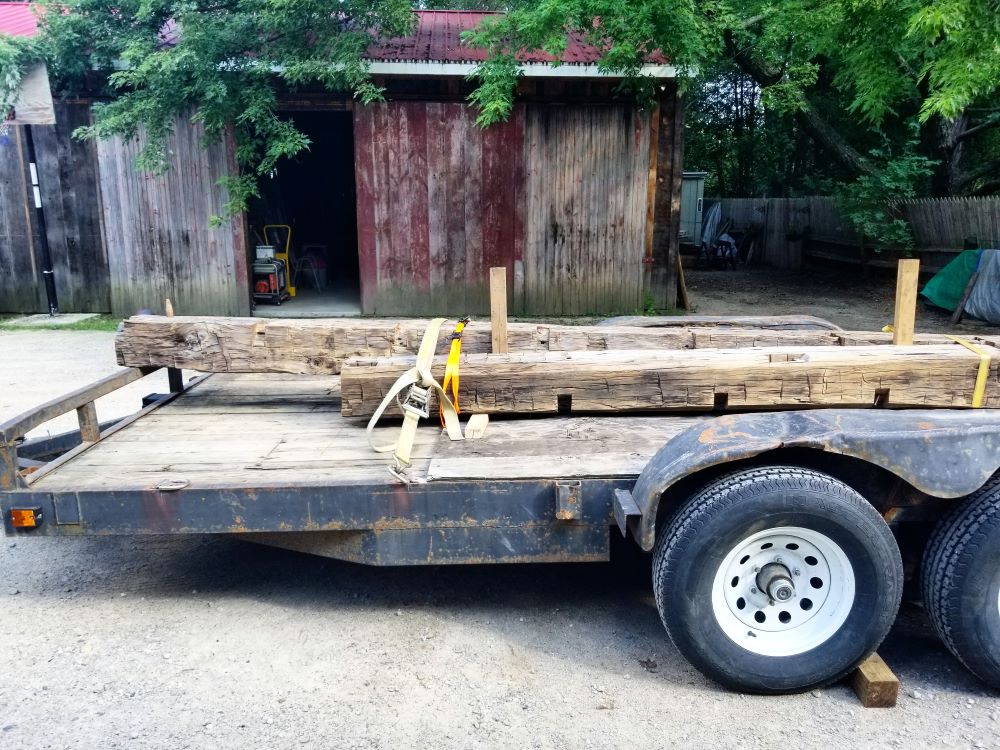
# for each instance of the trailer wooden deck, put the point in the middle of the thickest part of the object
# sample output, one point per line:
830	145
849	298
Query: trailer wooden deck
273	430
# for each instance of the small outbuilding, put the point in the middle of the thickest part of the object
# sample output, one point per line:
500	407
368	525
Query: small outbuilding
398	208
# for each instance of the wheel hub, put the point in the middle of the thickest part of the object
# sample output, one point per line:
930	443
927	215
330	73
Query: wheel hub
783	591
776	581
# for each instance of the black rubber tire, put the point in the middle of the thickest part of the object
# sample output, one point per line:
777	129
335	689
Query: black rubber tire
960	582
707	527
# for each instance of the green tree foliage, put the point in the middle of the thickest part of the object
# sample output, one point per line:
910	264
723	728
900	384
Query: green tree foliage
225	61
870	93
873	100
15	54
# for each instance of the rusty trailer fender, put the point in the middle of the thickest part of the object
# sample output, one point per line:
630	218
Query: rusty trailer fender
943	453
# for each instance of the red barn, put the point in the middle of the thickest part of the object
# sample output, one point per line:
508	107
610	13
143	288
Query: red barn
401	207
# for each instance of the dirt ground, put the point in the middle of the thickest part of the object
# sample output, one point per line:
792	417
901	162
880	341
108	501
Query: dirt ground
841	297
163	642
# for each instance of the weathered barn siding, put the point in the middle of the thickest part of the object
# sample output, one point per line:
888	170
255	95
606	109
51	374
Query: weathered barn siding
438	205
561	188
664	258
160	243
68	180
585	228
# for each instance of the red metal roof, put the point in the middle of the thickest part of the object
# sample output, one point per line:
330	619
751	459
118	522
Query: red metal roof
437	38
17	19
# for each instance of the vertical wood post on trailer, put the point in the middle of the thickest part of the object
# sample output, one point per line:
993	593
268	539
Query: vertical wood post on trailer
175	377
907	281
498	309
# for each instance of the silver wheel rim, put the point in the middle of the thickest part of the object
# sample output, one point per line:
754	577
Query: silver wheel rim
783	591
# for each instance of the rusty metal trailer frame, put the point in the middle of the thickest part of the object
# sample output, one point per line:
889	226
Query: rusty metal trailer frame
901	460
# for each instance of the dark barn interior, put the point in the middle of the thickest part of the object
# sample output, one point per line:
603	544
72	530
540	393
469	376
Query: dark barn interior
314	194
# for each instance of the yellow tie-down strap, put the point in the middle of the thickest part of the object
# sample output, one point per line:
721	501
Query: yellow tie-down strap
451	369
979	393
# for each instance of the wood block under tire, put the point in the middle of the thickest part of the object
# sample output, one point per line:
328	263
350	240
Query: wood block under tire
875	684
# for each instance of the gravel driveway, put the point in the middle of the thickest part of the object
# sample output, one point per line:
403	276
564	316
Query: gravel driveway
162	642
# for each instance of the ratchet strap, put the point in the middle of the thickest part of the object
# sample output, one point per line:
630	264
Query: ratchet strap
451	369
420	382
979	394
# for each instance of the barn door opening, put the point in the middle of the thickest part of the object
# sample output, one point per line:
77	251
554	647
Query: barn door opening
313	194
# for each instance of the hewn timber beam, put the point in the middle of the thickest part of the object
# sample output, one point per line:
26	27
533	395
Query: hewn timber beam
317	347
704	379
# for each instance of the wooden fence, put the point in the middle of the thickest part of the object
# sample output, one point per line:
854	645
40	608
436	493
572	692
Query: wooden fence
941	228
951	222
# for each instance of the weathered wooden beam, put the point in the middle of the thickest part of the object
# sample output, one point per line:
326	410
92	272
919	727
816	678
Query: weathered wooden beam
875	684
773	322
319	347
701	379
868	338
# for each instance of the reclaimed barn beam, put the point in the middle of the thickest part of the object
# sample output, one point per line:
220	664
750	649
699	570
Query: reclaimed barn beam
319	347
701	379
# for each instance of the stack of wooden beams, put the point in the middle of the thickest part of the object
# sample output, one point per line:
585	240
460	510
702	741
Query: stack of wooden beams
701	379
560	368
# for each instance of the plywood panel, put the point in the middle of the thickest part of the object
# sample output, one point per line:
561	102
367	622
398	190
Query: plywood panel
160	239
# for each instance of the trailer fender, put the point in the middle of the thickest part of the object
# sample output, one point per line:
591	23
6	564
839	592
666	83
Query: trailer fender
943	453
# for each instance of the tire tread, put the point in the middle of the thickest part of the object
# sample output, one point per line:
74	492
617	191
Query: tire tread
950	555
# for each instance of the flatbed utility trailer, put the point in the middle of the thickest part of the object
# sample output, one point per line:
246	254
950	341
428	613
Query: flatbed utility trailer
781	540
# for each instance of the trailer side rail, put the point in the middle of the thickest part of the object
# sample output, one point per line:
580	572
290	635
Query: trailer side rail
82	400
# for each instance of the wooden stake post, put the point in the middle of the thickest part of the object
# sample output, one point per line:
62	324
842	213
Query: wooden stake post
175	376
907	281
498	309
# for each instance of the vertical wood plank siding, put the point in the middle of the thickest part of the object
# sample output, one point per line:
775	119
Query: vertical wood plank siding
586	185
436	205
662	274
159	240
68	178
440	201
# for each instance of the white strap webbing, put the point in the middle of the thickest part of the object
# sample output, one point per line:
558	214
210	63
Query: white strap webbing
417	377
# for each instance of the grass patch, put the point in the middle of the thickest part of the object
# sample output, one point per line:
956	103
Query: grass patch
100	323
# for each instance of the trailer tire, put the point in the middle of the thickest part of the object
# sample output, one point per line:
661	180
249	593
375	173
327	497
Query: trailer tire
960	582
802	530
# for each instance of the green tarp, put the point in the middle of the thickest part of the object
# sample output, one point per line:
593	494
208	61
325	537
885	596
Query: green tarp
948	285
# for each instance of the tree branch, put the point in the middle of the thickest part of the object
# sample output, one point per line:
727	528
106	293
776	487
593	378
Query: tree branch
988	188
808	118
823	133
751	65
984	125
968	179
